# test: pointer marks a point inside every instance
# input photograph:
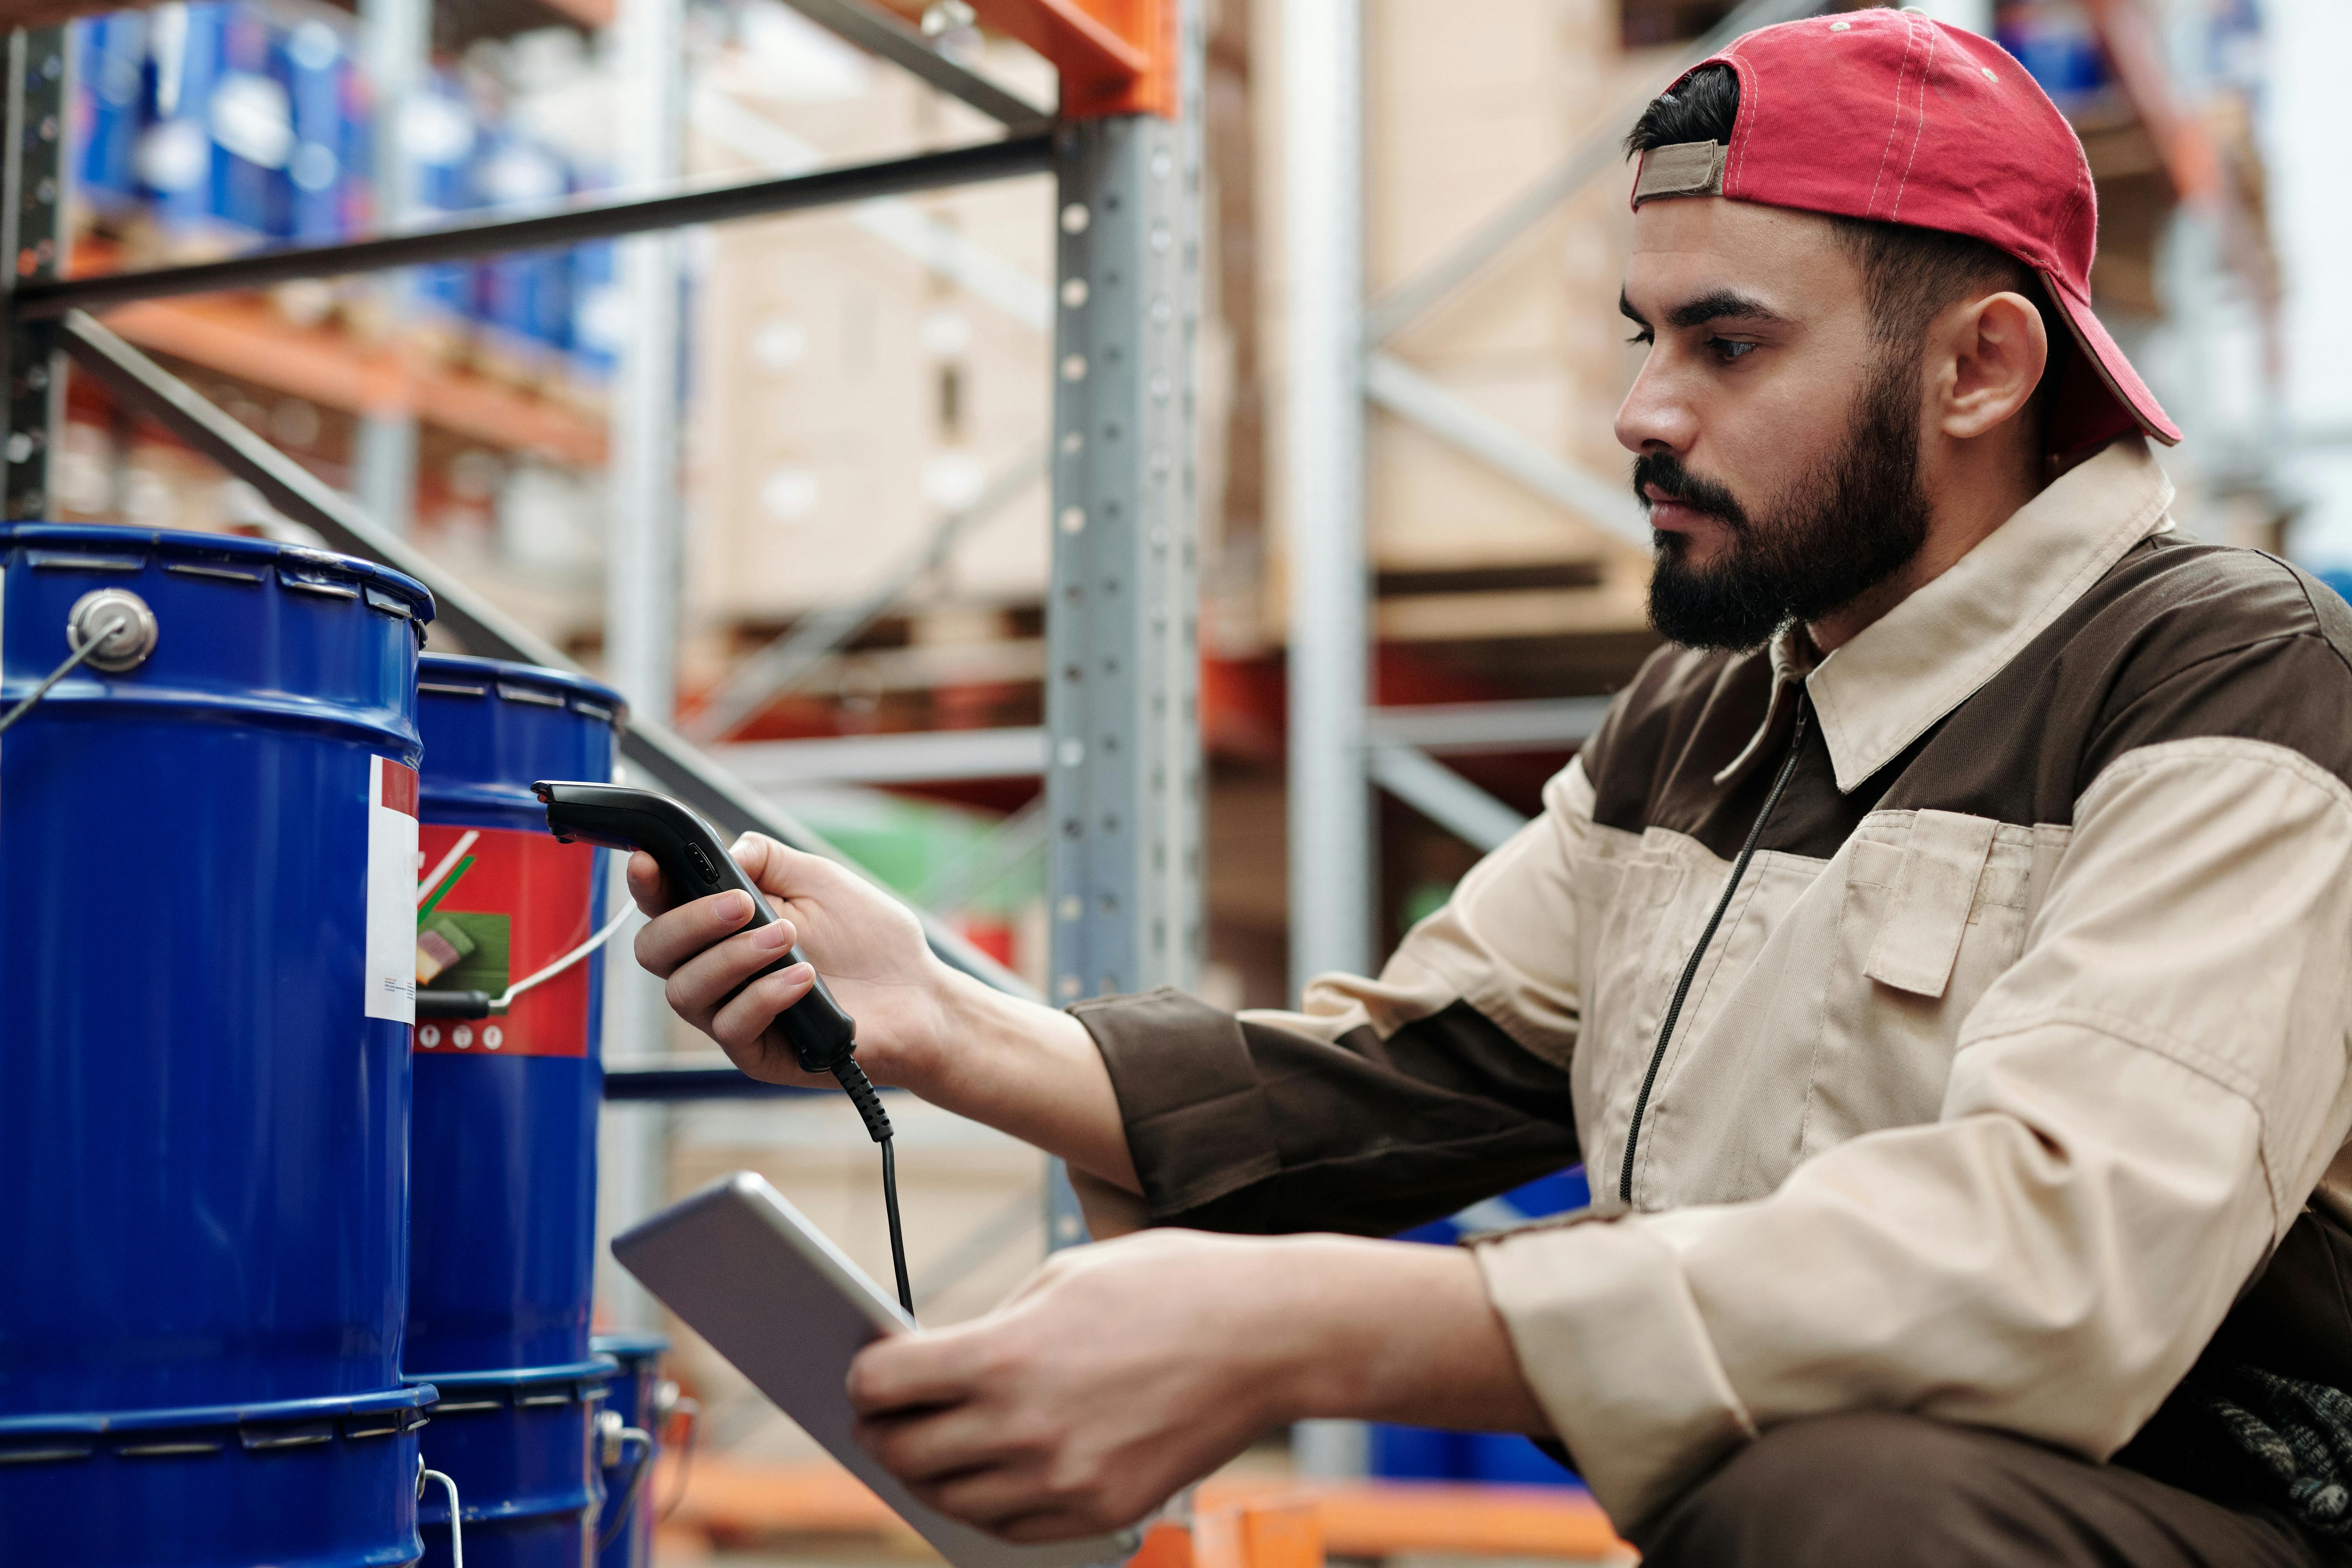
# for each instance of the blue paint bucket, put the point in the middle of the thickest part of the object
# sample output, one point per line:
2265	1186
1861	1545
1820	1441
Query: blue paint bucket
206	865
503	1224
642	1399
521	1446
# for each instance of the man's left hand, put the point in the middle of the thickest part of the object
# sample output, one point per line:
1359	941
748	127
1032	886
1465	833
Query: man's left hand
1125	1370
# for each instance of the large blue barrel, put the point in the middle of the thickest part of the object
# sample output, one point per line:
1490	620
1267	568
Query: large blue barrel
504	1216
207	887
642	1398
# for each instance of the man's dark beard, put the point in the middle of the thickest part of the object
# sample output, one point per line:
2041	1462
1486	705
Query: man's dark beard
1833	535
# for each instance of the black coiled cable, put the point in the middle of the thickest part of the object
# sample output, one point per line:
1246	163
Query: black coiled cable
877	1127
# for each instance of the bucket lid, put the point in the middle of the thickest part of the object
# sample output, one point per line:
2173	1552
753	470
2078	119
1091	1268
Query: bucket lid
100	547
464	676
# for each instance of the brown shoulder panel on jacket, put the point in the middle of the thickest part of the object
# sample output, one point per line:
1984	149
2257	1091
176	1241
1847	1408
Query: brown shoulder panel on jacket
1240	1126
2177	641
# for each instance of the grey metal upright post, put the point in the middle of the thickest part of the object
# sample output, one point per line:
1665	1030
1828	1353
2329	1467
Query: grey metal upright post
1123	780
1330	670
398	38
1331	812
642	569
32	246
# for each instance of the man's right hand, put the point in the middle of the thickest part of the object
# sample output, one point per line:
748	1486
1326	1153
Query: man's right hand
869	946
1014	1064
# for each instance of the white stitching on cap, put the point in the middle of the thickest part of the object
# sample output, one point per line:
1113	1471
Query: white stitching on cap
1751	98
1918	135
1870	208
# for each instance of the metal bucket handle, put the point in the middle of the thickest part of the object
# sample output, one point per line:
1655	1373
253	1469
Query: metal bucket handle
618	1437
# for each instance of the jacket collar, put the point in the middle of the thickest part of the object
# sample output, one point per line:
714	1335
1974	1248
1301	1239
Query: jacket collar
1906	671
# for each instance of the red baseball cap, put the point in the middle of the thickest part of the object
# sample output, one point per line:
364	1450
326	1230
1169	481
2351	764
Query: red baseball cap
1888	115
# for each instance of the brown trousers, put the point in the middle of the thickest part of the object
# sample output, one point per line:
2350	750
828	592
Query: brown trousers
1875	1490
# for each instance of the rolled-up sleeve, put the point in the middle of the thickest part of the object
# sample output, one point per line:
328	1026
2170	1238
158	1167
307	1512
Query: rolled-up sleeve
2135	1113
1381	1103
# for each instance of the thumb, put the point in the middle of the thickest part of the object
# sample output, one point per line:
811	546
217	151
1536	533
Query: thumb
755	852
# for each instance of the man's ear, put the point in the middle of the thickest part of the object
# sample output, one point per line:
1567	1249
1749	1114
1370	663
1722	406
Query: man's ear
1994	352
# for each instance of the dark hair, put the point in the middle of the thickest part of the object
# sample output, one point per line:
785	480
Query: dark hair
1907	273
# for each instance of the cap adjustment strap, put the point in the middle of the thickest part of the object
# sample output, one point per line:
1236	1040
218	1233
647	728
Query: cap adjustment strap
1684	169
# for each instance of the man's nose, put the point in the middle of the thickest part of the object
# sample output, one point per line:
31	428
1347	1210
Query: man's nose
1653	418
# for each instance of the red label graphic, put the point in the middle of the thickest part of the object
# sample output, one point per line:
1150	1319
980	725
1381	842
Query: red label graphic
398	787
493	911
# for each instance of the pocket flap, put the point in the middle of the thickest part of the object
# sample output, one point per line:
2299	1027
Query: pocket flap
1927	910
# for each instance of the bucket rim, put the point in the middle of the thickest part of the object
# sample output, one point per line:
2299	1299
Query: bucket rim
491	673
594	1367
277	1412
115	539
630	1347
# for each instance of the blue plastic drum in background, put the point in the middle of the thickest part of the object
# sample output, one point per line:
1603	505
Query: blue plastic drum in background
207	887
509	1083
642	1400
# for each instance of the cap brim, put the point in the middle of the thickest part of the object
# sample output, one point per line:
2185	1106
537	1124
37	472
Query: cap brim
2101	406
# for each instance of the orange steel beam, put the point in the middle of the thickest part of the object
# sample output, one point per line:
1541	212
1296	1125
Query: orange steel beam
1115	56
243	337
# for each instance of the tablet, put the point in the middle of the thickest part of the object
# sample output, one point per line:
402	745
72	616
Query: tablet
787	1308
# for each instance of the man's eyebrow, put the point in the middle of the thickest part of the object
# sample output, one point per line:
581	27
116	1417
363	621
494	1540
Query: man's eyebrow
1721	305
1625	309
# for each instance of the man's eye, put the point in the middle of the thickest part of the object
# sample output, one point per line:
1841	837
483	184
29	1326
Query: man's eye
1641	337
1729	349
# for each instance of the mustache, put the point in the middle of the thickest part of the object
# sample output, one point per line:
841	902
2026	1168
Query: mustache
1665	471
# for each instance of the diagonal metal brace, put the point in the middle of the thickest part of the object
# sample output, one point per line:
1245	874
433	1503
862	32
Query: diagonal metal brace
668	761
885	37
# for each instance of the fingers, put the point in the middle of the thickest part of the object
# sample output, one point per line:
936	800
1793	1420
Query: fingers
701	984
668	941
739	1024
932	1445
907	1372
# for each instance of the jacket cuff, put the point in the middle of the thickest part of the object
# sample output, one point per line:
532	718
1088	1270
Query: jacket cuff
1614	1348
1197	1124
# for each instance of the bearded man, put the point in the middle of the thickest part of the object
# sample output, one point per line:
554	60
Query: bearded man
1938	958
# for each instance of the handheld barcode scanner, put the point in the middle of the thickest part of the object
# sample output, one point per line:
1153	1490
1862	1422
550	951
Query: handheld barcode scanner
696	865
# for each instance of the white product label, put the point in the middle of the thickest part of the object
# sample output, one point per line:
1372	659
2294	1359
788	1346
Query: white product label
391	891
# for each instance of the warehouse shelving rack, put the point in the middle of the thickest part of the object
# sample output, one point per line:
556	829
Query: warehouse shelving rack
1123	795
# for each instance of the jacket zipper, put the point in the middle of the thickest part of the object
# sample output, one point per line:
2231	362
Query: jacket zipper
1690	970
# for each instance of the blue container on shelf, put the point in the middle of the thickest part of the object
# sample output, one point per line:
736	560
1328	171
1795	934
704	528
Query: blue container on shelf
320	90
173	156
205	1089
642	1400
112	98
503	1217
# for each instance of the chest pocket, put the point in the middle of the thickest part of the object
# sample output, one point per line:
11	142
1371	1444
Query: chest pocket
1634	925
1934	910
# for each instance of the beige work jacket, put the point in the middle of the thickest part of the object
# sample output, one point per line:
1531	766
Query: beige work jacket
2020	1047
